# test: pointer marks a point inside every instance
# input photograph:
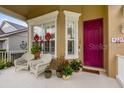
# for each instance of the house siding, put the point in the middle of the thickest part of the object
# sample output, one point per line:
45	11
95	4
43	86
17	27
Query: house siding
15	41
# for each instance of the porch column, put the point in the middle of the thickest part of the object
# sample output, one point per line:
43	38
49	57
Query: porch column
29	37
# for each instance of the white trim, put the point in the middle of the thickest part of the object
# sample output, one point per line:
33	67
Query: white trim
55	38
120	81
7	39
52	16
120	69
11	13
15	32
71	16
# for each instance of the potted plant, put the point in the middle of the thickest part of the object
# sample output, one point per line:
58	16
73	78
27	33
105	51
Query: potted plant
59	62
47	73
67	72
59	71
36	50
76	65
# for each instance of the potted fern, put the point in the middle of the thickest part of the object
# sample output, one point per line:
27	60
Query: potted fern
67	72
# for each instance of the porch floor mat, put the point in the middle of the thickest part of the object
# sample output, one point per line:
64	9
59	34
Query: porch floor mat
91	71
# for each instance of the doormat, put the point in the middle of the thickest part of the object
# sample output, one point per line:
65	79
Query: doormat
91	71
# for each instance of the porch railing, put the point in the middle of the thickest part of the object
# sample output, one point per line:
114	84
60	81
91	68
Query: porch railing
11	55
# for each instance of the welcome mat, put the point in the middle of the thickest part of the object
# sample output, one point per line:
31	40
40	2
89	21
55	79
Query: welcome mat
91	71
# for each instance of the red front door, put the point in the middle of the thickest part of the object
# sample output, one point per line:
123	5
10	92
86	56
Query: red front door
93	43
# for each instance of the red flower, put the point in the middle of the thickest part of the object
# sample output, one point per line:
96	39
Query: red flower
36	37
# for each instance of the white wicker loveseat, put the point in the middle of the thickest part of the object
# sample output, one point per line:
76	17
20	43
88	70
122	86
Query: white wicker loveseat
38	66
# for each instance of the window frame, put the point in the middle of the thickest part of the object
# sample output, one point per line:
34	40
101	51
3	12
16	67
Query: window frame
38	21
74	17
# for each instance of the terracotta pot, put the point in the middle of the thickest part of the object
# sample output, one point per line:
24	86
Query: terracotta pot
66	77
37	55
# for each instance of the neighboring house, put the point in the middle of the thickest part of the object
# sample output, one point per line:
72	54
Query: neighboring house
13	37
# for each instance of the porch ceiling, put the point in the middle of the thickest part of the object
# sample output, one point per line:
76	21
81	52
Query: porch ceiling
30	11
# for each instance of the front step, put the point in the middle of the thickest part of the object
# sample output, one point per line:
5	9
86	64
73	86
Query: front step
94	70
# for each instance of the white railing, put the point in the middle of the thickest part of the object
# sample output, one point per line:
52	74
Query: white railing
11	55
5	55
120	69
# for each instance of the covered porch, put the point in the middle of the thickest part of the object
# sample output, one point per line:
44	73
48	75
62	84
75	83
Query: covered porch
24	79
59	16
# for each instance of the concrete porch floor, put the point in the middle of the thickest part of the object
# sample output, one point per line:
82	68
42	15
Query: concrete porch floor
24	79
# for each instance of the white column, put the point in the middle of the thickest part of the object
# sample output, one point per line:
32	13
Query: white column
29	38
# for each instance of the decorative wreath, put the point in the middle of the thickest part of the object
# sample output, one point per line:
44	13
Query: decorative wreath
48	36
36	37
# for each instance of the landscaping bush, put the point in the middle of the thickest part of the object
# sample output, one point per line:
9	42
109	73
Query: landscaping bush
2	65
5	63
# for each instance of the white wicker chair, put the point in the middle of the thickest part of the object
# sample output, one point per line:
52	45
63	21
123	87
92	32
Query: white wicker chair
23	61
38	66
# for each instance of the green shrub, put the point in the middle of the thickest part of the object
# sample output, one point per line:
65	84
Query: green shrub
2	64
76	65
5	63
8	64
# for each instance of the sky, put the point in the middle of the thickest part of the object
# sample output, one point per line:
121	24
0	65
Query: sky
11	19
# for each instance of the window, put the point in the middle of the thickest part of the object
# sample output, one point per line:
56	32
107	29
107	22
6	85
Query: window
71	37
41	25
47	46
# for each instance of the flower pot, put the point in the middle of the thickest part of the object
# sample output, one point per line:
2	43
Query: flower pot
48	73
66	77
37	55
77	70
59	73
